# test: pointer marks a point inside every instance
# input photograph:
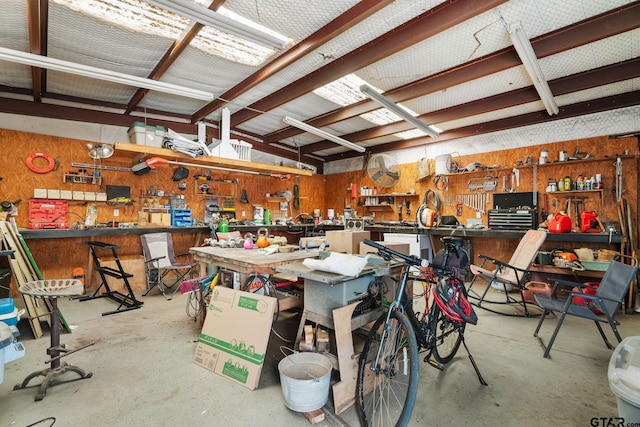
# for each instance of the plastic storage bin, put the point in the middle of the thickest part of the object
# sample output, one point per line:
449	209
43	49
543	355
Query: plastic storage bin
146	135
624	378
181	218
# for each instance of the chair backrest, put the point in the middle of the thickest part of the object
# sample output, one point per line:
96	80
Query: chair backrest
155	245
615	284
524	254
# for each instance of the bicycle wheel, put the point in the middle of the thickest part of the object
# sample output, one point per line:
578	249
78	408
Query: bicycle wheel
446	335
386	393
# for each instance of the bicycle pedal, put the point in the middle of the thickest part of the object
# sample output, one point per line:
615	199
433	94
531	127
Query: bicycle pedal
433	363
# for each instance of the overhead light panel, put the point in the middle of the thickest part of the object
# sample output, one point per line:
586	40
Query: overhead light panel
530	61
397	109
100	74
323	134
214	19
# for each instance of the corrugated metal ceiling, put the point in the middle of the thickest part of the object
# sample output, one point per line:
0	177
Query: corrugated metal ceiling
451	62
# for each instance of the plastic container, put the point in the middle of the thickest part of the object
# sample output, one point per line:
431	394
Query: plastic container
11	319
9	350
305	379
624	379
146	135
443	164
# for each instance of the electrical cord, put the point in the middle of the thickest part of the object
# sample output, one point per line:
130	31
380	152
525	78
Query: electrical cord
43	420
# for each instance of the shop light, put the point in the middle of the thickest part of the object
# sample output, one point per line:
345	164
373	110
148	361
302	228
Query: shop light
397	109
100	74
214	19
323	134
530	61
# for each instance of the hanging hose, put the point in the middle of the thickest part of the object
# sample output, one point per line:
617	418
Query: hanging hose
296	197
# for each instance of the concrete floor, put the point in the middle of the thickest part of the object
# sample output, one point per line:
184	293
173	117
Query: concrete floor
143	375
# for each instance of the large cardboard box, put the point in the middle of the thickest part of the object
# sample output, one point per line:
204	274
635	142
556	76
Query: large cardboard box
403	248
233	341
346	240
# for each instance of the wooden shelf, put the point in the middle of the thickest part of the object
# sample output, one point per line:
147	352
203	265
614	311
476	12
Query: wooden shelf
137	152
82	179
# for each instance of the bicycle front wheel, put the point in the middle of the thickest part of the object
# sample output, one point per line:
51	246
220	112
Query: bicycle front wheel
447	336
386	389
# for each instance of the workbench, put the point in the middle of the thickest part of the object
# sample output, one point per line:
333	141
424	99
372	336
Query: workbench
250	262
328	302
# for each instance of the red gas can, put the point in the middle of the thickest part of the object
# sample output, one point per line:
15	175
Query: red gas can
588	222
560	223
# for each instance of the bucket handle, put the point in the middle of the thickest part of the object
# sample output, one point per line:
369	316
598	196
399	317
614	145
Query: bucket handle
283	348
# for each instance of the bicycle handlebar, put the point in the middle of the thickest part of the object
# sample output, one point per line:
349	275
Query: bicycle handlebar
411	260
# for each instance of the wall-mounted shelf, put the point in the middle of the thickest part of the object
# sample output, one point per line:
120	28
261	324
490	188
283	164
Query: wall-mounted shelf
82	179
136	152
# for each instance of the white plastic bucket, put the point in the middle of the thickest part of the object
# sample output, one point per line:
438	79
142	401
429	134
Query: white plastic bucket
305	379
443	164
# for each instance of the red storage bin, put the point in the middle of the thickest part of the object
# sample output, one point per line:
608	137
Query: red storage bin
48	214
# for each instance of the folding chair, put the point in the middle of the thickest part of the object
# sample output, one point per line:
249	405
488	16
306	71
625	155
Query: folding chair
601	307
162	268
508	275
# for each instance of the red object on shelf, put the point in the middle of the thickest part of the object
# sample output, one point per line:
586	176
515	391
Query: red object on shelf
560	223
48	214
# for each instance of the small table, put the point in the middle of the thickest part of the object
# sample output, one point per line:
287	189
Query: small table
54	289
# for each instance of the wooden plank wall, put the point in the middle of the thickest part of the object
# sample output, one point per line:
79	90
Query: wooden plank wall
57	257
600	147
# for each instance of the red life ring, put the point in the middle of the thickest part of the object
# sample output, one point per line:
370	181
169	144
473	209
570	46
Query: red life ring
51	163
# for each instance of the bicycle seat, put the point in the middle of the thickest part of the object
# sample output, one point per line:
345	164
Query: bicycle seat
452	241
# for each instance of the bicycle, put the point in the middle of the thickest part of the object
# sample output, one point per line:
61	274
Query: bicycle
387	382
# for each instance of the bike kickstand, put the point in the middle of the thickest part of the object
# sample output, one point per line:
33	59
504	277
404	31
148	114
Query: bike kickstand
473	362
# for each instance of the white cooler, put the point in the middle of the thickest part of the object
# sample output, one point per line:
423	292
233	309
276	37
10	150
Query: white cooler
624	379
9	350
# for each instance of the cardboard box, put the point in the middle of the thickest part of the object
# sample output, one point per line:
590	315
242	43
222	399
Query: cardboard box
346	241
165	219
403	248
155	218
234	338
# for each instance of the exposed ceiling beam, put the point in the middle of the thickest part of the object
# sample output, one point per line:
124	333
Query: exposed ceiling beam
356	14
587	31
623	100
580	81
170	56
430	23
37	17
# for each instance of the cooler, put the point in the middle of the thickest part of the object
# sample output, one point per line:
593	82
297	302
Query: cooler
9	350
624	379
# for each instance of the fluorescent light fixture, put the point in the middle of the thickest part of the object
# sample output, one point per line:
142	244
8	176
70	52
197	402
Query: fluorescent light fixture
214	19
323	134
100	74
397	109
530	61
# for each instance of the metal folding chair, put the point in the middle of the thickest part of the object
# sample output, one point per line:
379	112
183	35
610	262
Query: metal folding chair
162	269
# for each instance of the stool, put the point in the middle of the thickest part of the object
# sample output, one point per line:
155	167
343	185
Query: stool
52	290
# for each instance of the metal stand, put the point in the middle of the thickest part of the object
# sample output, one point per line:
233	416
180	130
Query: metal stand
56	351
126	301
